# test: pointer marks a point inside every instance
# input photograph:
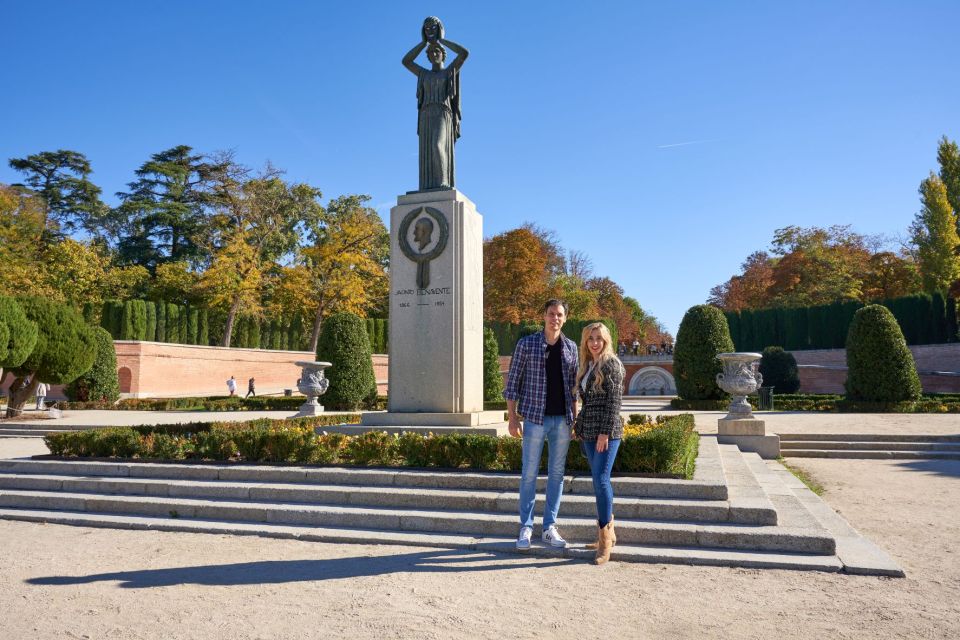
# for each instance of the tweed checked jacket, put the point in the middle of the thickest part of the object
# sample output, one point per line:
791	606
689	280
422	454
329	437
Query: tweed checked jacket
600	409
527	380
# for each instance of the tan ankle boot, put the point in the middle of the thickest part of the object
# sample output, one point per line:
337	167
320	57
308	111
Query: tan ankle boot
605	545
594	545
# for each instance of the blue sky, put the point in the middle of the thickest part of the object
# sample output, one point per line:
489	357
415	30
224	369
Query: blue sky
666	140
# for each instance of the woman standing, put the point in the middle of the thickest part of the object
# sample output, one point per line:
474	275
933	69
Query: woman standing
438	103
598	426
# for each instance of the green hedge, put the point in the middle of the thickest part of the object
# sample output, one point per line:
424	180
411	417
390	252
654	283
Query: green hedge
923	319
702	335
880	367
669	447
828	402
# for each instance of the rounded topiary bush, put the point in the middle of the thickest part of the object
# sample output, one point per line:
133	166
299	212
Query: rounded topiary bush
20	334
779	370
702	335
345	345
100	383
492	379
880	367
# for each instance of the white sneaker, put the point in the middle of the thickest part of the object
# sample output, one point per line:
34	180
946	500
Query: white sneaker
523	540
553	538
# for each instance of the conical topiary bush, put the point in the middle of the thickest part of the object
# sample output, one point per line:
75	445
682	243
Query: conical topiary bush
880	367
702	335
345	345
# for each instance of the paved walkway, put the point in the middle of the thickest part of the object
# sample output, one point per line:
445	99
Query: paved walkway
706	421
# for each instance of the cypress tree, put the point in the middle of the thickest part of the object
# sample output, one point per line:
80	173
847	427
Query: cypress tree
173	323
193	325
151	331
203	335
492	378
161	322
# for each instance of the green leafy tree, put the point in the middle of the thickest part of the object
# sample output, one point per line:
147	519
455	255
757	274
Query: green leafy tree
18	333
492	378
880	367
702	335
779	370
62	179
100	383
934	232
166	209
64	350
344	344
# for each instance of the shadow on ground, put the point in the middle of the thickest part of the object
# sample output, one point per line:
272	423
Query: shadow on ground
283	571
937	467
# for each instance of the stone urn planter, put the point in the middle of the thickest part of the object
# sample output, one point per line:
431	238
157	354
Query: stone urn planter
740	378
313	384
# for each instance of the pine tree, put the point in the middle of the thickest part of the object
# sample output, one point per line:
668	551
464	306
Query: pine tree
934	232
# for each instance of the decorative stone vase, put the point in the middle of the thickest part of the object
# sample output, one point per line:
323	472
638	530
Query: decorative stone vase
740	378
313	384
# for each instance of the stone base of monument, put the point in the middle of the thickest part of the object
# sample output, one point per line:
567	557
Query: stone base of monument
422	419
749	434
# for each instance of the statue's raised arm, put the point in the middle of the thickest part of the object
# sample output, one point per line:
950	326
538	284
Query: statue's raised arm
438	104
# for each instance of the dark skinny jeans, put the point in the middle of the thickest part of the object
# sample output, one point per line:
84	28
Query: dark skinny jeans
601	465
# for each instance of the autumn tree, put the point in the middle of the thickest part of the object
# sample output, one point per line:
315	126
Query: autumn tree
750	289
948	156
552	249
341	267
515	276
934	233
817	266
256	221
71	202
890	276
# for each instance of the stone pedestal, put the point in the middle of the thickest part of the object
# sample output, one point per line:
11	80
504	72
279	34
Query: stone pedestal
749	434
436	313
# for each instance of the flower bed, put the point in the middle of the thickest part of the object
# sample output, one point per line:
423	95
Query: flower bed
666	446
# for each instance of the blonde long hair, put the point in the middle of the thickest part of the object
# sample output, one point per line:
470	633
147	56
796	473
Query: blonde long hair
606	355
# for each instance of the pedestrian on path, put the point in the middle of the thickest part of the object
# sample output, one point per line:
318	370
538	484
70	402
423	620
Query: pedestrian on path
540	391
42	390
232	386
251	388
598	426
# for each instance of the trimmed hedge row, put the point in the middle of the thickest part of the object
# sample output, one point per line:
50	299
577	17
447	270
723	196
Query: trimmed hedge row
923	319
827	402
666	446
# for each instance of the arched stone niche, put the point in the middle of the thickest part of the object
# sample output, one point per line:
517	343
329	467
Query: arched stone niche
652	381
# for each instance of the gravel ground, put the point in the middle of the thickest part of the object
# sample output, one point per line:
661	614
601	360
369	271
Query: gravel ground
71	582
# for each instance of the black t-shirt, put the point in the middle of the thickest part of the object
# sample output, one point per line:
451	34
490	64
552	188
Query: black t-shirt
556	402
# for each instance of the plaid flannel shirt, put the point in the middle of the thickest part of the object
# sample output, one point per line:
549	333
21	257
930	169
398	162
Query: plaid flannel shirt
527	380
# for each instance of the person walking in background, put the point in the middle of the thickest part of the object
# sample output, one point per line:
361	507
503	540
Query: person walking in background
42	390
232	386
598	426
539	390
251	388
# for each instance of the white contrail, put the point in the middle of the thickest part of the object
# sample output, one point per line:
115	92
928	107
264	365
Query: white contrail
684	144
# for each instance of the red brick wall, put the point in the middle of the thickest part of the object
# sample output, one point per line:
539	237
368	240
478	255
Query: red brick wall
928	357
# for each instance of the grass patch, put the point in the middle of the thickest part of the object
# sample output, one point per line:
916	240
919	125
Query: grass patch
803	477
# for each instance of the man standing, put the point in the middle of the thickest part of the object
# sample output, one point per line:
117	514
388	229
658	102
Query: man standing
251	388
539	389
232	386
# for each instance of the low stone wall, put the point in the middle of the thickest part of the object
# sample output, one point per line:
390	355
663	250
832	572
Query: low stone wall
163	370
825	370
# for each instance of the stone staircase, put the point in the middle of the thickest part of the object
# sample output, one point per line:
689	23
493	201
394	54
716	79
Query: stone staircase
738	510
867	446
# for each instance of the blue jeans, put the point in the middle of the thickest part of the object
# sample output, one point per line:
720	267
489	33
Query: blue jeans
601	465
556	432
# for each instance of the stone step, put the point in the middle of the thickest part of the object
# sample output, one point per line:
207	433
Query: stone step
584	505
870	445
870	455
629	531
621	553
665	488
867	437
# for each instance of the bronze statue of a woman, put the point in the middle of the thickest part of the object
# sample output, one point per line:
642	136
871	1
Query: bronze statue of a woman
438	103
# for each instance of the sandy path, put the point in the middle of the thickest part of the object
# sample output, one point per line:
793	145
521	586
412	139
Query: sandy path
67	582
